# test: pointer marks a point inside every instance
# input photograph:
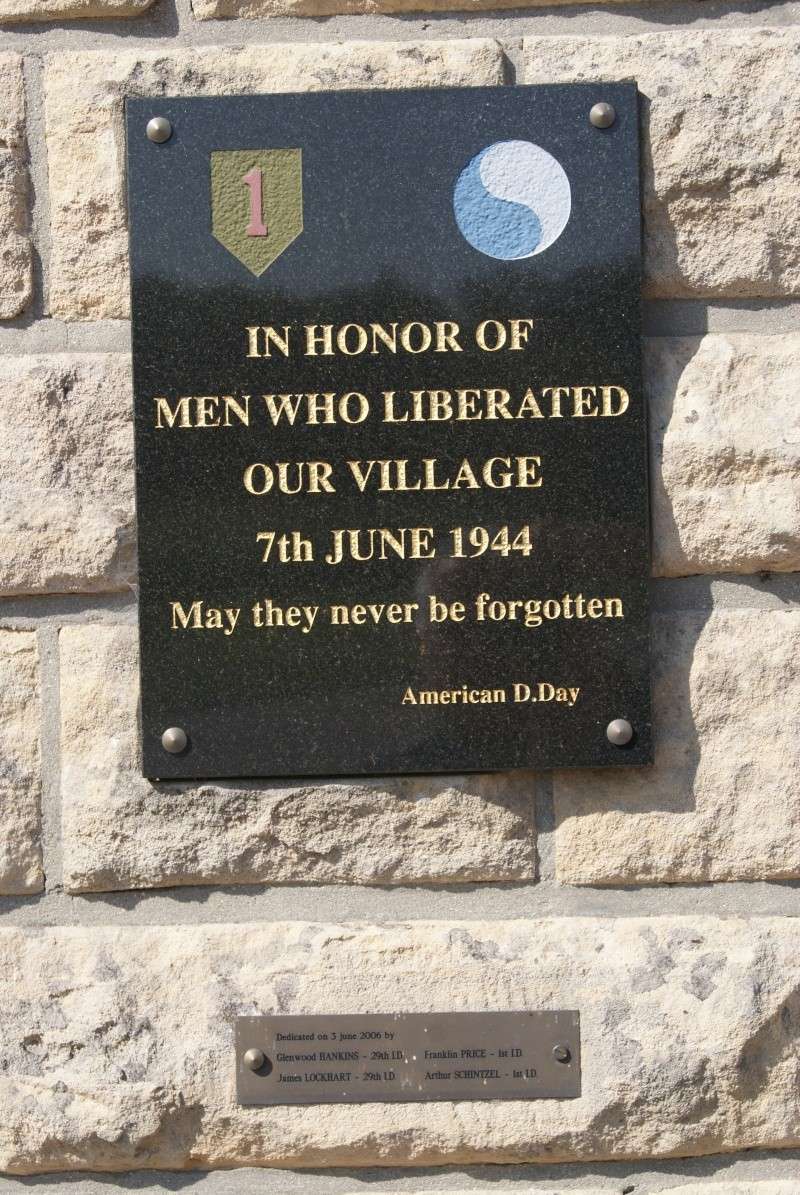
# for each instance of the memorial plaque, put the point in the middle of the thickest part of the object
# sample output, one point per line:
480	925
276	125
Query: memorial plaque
408	1057
390	432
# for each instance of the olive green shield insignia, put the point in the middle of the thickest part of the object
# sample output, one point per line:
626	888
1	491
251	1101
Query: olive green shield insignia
256	203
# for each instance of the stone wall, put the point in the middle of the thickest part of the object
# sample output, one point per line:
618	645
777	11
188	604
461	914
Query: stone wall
138	918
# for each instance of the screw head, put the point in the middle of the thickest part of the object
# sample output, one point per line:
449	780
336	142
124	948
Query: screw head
602	116
561	1053
174	740
159	129
619	732
254	1059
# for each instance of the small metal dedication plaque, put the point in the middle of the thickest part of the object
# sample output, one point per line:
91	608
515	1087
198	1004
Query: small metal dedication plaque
390	433
408	1057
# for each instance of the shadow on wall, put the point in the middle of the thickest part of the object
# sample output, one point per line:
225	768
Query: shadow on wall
664	368
680	663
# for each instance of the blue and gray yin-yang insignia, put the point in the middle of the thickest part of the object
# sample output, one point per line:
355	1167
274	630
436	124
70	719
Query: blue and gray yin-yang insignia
512	200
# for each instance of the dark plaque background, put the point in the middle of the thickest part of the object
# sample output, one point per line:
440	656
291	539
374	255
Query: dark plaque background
380	243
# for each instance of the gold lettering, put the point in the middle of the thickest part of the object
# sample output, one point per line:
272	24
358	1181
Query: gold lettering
529	406
415	331
379	333
504	480
242	413
313	476
319	408
497	332
184	617
284	408
319	474
315	339
388	409
181	412
582	399
447	337
556	394
269	336
497	401
467	402
527	477
353	348
441	405
361	475
206	409
258	479
607	400
519	333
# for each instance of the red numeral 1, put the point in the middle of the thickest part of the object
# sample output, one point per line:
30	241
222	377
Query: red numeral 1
256	227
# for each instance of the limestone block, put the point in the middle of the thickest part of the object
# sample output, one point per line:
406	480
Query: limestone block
117	1042
66	473
122	831
85	138
20	765
725	453
16	277
721	160
720	803
65	10
713	1187
207	10
775	1186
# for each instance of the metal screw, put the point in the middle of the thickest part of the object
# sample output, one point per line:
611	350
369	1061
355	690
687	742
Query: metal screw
254	1059
159	129
602	116
561	1053
174	740
619	732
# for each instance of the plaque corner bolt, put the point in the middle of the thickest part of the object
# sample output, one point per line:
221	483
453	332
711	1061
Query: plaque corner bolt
619	732
174	740
159	129
562	1053
602	115
254	1059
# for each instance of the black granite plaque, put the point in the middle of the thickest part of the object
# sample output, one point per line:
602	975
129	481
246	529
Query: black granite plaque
408	1057
390	431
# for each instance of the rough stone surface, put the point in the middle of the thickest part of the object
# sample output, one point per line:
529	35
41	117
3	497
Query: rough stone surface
117	1043
20	780
721	158
66	473
122	831
16	277
735	1187
61	10
206	10
85	141
720	802
718	1187
725	452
